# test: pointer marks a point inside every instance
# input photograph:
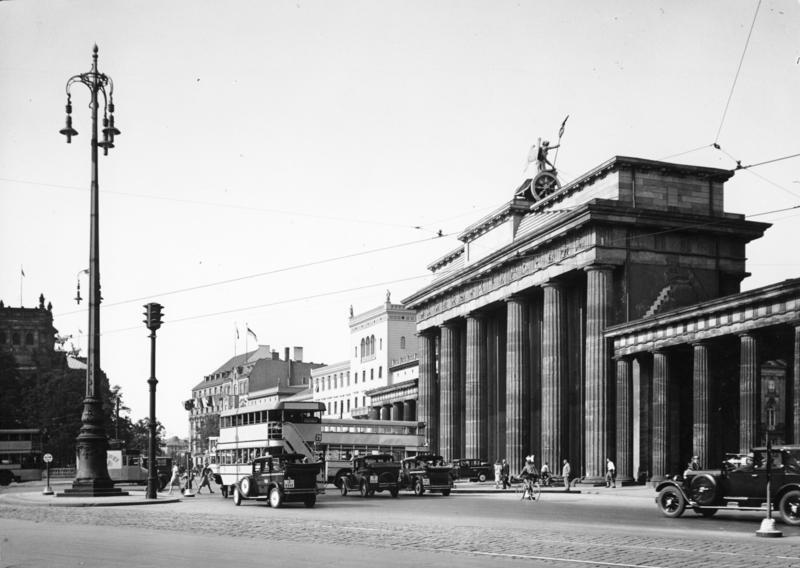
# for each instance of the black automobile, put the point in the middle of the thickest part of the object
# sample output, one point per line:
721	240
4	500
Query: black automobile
372	473
280	479
472	469
426	472
740	484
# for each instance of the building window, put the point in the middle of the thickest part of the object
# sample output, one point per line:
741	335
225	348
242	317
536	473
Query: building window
15	338
771	385
364	376
372	345
403	342
380	343
348	378
380	372
3	337
355	351
348	405
372	374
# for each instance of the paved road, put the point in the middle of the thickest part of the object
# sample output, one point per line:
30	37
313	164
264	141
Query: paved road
604	528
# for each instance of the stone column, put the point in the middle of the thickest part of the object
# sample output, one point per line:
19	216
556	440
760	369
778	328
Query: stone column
624	456
408	410
598	304
517	383
553	358
396	409
748	392
386	412
702	406
660	415
450	392
477	427
428	403
796	385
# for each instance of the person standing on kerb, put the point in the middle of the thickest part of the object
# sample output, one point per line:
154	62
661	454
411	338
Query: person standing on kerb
566	472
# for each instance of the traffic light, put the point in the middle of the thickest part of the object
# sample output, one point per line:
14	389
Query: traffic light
152	315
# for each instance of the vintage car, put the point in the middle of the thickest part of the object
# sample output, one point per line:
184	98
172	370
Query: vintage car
282	478
740	484
372	473
474	470
426	472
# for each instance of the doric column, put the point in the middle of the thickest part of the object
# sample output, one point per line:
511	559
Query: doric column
553	357
397	409
660	415
450	392
476	389
748	392
796	389
386	412
517	382
427	406
624	457
700	385
598	304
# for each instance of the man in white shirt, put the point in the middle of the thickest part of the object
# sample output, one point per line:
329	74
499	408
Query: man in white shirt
611	473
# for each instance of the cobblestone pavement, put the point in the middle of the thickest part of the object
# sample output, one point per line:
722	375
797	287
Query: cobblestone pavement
344	521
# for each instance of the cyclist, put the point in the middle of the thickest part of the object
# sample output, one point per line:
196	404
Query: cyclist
529	476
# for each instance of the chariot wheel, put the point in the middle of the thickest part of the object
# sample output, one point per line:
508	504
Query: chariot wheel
545	183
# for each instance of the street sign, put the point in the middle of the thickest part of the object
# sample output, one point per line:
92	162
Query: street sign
47	458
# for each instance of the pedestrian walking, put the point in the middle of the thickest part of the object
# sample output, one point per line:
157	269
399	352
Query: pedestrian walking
175	479
504	473
611	473
205	480
566	472
498	473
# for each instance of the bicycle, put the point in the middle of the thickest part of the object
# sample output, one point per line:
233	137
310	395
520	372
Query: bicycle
531	489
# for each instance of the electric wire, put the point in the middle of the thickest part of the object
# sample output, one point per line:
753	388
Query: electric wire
265	273
738	70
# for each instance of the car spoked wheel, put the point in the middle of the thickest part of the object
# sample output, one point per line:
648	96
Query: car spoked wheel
789	507
275	498
482	477
671	502
237	497
364	488
703	489
419	488
244	486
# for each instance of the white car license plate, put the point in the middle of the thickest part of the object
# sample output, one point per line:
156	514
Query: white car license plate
288	483
373	479
426	481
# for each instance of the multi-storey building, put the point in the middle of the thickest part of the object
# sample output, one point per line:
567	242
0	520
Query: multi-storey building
379	338
256	374
28	335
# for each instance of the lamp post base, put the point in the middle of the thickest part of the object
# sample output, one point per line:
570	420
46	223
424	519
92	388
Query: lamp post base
768	530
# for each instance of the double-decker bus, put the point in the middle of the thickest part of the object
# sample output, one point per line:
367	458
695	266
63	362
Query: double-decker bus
20	455
345	438
266	428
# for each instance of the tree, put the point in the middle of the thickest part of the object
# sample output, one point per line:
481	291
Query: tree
140	436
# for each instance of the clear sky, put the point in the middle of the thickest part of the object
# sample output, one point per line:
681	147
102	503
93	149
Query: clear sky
258	136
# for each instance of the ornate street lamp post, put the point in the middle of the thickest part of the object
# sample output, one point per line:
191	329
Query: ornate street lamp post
92	477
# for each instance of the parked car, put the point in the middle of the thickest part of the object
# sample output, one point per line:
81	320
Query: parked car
426	472
474	470
372	473
740	484
280	479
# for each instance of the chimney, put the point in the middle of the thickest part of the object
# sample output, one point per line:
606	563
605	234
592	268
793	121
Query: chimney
274	355
285	353
298	354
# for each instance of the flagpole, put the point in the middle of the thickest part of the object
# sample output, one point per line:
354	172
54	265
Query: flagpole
21	276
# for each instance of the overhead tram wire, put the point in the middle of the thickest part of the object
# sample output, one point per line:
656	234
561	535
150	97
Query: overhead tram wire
277	303
266	273
738	70
250	208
